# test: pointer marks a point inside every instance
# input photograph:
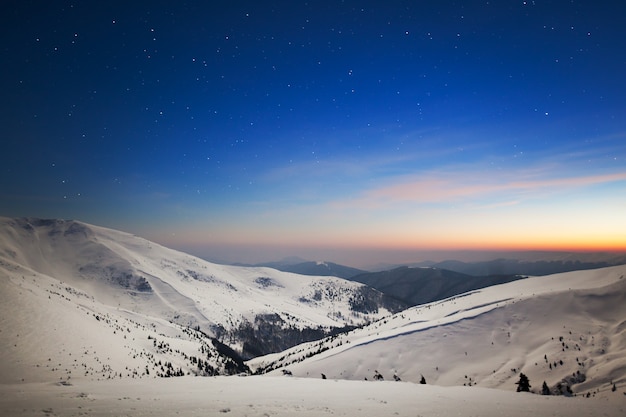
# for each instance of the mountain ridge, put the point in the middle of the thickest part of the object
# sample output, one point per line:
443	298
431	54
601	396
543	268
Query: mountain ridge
314	268
532	263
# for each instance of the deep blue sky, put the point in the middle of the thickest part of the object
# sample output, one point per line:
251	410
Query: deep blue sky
251	130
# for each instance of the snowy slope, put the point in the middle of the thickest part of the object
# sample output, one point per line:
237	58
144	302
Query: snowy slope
92	258
560	329
84	301
53	332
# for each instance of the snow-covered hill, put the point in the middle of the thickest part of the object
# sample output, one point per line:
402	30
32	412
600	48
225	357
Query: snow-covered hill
567	329
84	301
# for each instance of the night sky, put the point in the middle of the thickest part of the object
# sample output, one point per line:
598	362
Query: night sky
249	131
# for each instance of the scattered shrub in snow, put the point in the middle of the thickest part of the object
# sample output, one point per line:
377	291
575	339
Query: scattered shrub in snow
266	282
523	385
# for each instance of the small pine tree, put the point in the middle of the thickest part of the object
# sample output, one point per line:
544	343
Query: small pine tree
544	389
523	385
423	380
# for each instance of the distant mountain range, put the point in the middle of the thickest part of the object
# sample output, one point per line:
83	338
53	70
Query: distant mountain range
423	285
523	267
430	281
560	262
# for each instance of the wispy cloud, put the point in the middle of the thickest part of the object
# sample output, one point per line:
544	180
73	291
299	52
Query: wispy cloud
438	168
393	154
491	188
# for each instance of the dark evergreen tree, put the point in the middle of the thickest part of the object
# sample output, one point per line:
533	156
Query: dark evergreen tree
523	385
423	380
544	389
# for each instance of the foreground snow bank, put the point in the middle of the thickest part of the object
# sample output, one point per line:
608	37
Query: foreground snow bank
285	396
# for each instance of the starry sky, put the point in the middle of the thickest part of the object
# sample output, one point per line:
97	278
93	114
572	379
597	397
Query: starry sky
245	131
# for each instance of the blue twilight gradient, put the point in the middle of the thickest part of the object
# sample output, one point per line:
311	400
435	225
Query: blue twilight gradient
228	122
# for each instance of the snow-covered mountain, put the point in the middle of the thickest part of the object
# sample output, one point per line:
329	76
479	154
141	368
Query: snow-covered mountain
80	300
91	318
567	329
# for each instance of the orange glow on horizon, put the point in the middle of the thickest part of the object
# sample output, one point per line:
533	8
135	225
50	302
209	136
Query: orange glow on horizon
582	244
484	233
390	243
